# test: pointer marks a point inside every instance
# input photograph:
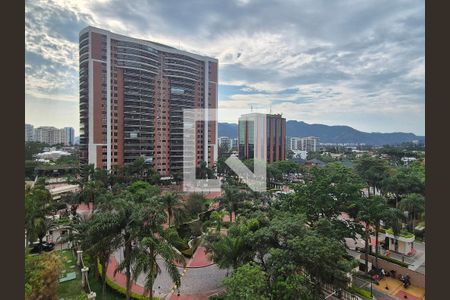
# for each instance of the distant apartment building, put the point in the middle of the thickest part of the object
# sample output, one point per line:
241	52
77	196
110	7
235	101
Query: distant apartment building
49	135
225	141
234	143
262	136
53	136
132	96
69	133
309	144
29	133
294	143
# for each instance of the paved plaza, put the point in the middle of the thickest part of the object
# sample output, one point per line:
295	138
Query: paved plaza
200	278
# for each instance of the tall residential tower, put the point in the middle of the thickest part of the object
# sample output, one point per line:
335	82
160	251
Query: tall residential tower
132	96
262	136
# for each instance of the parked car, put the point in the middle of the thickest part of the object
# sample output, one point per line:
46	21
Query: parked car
44	246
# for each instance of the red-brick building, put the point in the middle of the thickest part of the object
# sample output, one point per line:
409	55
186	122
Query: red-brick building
262	136
132	96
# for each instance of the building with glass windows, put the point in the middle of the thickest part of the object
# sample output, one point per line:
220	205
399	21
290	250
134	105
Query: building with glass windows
132	96
262	137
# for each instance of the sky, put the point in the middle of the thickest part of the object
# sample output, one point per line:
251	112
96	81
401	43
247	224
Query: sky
359	63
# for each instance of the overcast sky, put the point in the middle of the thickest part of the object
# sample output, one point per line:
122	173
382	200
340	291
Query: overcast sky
358	63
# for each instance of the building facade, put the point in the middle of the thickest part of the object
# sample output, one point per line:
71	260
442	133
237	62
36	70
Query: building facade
69	133
49	135
29	133
132	96
310	144
294	143
262	136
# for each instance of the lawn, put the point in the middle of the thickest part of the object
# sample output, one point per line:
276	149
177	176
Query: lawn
71	290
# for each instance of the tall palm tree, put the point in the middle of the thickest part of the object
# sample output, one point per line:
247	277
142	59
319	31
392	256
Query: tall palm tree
231	200
98	240
128	229
145	260
37	206
169	201
228	251
217	218
378	210
137	210
414	204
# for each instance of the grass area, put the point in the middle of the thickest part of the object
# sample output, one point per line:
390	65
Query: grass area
72	290
361	292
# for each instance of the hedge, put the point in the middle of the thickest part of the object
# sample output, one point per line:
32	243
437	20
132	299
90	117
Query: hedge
403	233
393	260
389	259
362	292
123	291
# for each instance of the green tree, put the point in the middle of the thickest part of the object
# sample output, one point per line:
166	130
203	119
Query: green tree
373	211
217	219
231	200
229	252
247	282
169	201
41	276
414	204
203	172
98	239
37	206
373	171
403	181
195	204
146	253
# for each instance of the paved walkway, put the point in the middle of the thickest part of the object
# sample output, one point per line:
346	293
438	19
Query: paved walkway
395	288
200	279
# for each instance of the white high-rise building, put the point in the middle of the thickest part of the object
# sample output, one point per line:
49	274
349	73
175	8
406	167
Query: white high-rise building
309	143
29	133
53	136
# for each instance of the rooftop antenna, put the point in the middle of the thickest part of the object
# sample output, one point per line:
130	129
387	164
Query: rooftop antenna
270	109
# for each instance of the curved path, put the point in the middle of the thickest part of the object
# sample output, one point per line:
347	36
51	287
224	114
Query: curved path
200	278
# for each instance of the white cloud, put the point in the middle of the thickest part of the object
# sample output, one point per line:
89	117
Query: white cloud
342	57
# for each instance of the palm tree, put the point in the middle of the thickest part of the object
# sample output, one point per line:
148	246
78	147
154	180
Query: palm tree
37	206
414	204
378	210
228	251
217	218
137	209
145	260
365	216
231	200
169	201
127	231
98	240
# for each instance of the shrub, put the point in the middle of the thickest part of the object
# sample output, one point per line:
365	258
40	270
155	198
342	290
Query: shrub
403	233
362	292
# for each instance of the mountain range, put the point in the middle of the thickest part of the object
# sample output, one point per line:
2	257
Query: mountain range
333	134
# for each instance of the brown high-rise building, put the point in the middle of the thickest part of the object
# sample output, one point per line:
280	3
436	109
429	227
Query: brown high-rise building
262	136
132	96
